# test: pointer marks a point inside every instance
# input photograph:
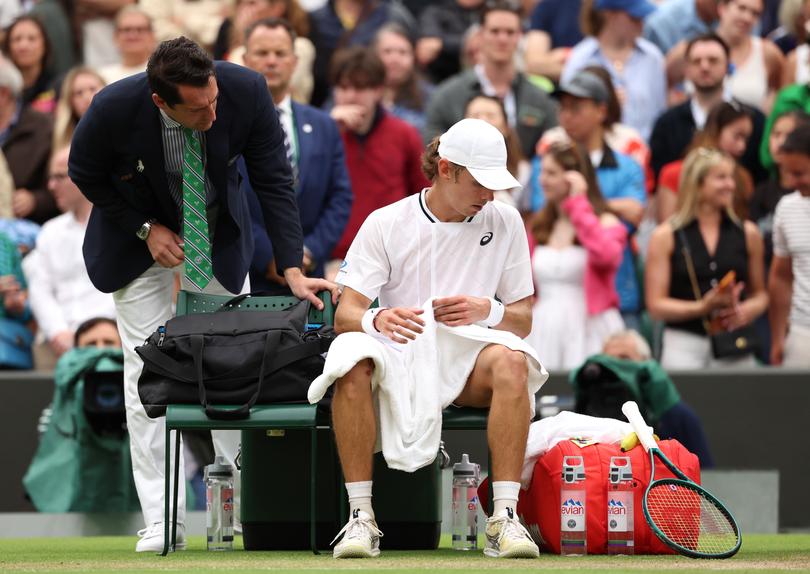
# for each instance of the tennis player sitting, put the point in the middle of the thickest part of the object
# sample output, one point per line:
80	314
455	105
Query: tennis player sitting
436	261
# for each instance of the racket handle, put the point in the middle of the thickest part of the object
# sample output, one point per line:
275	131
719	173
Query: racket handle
645	436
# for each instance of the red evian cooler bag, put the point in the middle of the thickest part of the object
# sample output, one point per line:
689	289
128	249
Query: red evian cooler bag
540	506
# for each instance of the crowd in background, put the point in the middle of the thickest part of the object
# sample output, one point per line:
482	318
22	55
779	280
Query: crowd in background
660	146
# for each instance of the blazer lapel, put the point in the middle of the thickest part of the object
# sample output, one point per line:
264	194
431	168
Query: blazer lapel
149	150
216	155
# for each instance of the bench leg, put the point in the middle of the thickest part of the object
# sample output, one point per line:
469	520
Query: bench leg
175	494
166	490
313	474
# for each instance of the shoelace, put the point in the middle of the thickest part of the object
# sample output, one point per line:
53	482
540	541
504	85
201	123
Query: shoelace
510	525
358	527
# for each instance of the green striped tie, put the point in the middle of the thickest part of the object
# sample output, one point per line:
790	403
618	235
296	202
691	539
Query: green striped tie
197	248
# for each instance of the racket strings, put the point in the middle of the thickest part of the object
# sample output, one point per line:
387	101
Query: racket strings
690	519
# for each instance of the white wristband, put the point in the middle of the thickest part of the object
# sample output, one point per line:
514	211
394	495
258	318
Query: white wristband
368	321
496	311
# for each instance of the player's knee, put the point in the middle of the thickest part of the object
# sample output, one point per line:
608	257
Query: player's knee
357	382
511	371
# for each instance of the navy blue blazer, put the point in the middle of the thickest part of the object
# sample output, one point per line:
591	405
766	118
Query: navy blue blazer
324	193
116	159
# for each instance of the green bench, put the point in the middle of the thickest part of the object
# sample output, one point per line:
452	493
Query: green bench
277	416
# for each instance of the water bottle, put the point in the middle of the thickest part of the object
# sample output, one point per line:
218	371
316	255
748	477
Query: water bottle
620	507
573	536
219	504
465	504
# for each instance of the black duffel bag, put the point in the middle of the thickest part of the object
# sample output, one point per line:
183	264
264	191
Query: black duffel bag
233	358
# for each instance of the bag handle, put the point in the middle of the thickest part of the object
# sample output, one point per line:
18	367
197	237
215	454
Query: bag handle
690	270
271	343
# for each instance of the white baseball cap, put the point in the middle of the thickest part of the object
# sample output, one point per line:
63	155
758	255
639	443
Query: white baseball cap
480	147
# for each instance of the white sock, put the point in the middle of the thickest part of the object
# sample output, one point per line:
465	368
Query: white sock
360	497
504	495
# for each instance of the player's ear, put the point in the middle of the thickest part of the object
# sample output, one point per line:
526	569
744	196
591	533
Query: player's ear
445	169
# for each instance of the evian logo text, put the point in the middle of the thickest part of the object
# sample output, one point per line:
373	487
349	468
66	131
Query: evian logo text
572	507
615	507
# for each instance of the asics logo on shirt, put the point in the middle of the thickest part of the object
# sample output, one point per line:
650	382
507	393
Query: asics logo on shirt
486	238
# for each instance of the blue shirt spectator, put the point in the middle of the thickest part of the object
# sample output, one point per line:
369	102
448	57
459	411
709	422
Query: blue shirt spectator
677	20
642	79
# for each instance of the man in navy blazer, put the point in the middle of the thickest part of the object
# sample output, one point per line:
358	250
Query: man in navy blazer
315	150
135	155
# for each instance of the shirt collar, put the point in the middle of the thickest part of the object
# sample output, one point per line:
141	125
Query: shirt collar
285	105
169	122
699	115
606	157
423	205
486	86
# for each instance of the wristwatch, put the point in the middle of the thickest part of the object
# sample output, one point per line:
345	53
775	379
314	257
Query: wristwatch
144	230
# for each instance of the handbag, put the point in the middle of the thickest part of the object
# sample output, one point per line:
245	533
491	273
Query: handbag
232	358
727	344
15	345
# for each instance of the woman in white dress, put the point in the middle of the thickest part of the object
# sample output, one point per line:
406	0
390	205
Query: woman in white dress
579	246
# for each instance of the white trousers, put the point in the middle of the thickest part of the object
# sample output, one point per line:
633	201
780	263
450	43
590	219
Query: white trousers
797	348
682	350
142	306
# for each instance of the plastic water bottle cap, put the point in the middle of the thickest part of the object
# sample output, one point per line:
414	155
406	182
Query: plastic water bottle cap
465	467
220	468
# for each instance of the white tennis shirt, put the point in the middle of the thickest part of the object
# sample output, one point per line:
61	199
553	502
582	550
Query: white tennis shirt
404	255
791	238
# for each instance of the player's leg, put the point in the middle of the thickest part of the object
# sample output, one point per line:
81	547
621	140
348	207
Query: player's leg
355	434
499	380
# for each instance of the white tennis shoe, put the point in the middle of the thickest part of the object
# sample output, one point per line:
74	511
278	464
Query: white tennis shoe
152	538
361	537
507	538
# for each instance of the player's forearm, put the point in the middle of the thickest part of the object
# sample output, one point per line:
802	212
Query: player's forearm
517	319
349	318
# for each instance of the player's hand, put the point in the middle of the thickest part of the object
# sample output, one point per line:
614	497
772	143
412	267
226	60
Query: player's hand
165	246
61	342
461	310
308	287
400	324
23	203
349	117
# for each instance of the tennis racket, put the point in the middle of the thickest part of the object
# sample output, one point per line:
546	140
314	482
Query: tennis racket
685	516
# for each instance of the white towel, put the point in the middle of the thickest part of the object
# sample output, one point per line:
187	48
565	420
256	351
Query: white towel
545	434
412	383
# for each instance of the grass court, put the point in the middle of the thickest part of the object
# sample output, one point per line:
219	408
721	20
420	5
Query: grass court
759	553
